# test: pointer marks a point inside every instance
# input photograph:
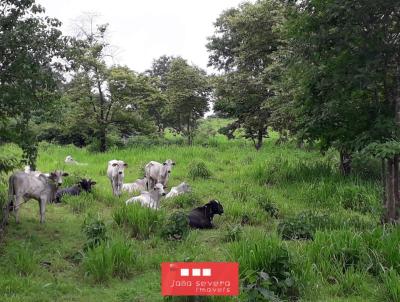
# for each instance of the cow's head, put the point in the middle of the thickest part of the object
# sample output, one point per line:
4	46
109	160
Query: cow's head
160	189
86	185
120	166
185	187
168	164
214	207
57	176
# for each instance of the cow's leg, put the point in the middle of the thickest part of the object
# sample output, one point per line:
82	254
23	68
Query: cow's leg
18	201
42	209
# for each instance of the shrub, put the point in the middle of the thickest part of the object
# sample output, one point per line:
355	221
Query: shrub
233	233
357	199
242	192
259	253
268	206
95	231
303	225
198	170
141	221
176	227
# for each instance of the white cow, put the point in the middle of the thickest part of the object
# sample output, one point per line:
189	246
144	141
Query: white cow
24	186
115	172
139	185
178	190
158	173
149	199
71	161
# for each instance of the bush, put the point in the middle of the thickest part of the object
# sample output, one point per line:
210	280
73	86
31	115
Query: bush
141	221
95	231
198	170
176	227
259	253
268	206
303	225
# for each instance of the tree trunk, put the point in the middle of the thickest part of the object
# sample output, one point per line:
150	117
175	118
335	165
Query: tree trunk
345	163
391	198
103	143
258	145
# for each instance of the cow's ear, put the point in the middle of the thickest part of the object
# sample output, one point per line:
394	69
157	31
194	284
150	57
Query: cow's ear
114	164
93	183
173	164
155	188
164	164
125	165
65	174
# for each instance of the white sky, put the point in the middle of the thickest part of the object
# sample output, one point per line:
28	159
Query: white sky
146	29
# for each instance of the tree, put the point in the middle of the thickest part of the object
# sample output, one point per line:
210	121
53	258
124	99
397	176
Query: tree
30	49
345	60
187	92
243	47
113	96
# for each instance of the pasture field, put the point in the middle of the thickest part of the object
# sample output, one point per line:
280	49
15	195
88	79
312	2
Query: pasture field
93	248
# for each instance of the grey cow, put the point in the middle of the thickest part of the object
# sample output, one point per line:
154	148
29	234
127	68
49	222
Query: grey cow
158	173
23	186
115	172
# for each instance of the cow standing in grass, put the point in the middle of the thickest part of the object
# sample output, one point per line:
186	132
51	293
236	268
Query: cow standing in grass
158	173
115	172
24	186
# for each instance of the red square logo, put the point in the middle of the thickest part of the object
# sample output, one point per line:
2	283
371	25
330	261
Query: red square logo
200	278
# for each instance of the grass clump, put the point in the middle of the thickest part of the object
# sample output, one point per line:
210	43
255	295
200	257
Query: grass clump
140	221
357	199
266	255
182	201
79	204
233	233
303	225
24	261
176	226
198	170
268	206
391	284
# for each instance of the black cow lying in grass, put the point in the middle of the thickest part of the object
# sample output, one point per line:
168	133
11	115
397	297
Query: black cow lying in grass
82	185
201	217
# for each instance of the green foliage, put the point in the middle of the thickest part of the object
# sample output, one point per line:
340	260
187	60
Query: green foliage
176	227
391	282
95	231
24	262
198	170
258	253
182	201
79	204
357	199
140	221
268	206
302	226
233	233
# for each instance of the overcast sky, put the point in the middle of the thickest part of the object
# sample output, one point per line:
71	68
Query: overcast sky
146	29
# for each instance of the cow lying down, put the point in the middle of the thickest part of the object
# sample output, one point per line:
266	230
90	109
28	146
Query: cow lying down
178	190
139	185
201	217
82	185
150	198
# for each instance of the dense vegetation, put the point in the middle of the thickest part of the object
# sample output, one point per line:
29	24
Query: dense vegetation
303	150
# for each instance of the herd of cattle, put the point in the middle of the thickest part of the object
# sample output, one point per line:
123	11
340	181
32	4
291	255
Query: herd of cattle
46	188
